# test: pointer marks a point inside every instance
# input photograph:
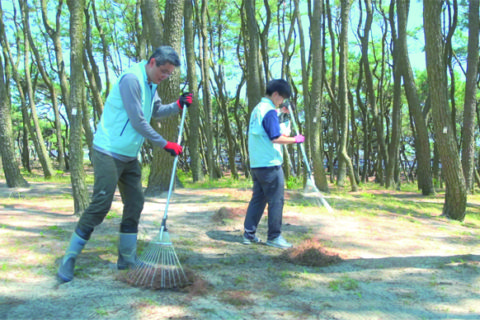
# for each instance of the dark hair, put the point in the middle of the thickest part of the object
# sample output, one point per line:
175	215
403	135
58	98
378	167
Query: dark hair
165	54
279	85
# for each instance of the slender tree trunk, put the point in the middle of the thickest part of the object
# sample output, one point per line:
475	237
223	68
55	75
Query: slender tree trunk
27	126
77	87
345	161
422	143
470	104
105	52
207	100
252	52
194	109
51	87
315	133
394	146
456	193
162	164
55	35
152	17
10	166
377	114
223	103
36	136
92	71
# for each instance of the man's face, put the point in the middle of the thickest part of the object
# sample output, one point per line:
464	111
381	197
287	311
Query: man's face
277	99
157	74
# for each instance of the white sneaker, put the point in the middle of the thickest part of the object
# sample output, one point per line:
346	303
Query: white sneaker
250	241
279	242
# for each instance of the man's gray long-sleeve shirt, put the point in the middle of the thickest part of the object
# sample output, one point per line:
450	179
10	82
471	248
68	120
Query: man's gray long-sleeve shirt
131	97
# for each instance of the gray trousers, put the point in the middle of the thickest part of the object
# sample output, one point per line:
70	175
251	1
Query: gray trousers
268	188
108	173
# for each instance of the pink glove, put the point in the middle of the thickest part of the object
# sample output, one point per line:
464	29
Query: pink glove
299	138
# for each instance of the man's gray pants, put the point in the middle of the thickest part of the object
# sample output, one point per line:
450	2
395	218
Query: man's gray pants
108	173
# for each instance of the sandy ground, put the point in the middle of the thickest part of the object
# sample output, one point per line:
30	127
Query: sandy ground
394	265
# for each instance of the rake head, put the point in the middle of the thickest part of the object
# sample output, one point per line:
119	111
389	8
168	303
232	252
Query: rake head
158	267
312	194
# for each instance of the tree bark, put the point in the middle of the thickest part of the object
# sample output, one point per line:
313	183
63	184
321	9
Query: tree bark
53	94
456	193
345	163
77	87
36	133
162	164
10	166
252	53
153	20
55	35
204	53
377	113
394	145
194	109
470	103
316	141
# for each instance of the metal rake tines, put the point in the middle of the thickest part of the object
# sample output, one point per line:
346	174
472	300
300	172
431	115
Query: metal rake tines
158	268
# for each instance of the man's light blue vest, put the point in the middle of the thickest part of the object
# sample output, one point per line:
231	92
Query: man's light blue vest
262	151
114	131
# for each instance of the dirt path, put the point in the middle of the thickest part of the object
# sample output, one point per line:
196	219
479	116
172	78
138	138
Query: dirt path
395	265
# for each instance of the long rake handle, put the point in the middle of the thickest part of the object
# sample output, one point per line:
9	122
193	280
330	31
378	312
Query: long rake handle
174	169
302	148
305	160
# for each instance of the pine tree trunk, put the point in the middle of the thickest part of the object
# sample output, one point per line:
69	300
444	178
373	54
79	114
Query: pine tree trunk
345	163
162	164
315	133
7	150
194	109
456	192
470	104
77	81
36	132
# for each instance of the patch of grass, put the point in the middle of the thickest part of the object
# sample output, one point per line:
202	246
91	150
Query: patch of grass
59	177
223	182
57	231
113	214
186	242
239	298
147	302
294	183
101	312
344	283
368	195
239	280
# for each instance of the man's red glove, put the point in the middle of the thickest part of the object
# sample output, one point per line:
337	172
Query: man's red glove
174	148
185	99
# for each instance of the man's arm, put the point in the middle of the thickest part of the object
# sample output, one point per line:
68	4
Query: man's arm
161	111
272	128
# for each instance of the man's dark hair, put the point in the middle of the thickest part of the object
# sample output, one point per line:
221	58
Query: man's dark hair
279	85
165	54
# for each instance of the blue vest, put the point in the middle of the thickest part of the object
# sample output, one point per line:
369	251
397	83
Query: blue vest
114	131
262	151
